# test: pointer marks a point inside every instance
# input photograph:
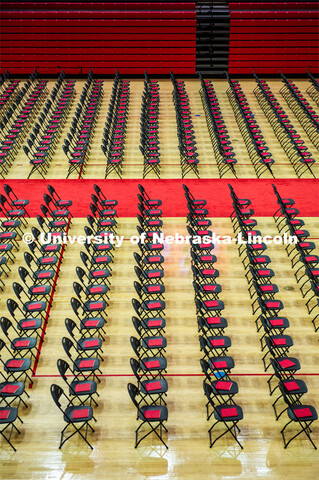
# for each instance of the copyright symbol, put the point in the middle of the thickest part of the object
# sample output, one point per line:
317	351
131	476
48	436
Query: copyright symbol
28	238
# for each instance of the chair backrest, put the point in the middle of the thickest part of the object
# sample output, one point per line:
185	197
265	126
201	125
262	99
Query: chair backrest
80	273
94	199
208	392
135	366
32	246
41	221
98	191
28	259
205	367
93	209
77	289
88	231
135	344
12	306
23	272
84	258
138	289
7	189
44	210
137	324
133	392
75	304
2	344
136	305
56	393
36	232
139	273
67	345
48	199
63	367
91	221
137	258
142	190
70	326
5	324
18	289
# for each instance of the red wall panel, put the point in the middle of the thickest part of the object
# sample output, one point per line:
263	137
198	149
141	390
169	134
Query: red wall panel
272	36
102	36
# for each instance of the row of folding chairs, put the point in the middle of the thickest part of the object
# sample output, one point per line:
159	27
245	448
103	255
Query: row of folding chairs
83	346
113	141
303	260
274	341
25	330
224	153
149	322
42	142
9	116
19	123
77	145
215	363
185	130
313	89
306	115
255	143
149	144
8	95
288	137
15	216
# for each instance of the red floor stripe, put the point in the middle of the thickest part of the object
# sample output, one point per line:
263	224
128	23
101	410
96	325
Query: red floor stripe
305	192
36	362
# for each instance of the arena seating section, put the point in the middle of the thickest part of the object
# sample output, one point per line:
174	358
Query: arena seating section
98	36
268	36
155	36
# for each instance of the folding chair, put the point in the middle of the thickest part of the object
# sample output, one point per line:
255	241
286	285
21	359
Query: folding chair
8	416
304	415
221	390
11	391
151	391
82	367
16	367
73	415
152	415
84	345
229	415
78	390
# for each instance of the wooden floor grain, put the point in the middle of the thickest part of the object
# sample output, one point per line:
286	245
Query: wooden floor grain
170	163
189	455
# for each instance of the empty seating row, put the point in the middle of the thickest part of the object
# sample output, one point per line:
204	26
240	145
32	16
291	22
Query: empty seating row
274	340
288	137
224	154
17	121
302	109
78	144
215	362
29	316
84	348
301	252
42	142
185	130
149	145
150	345
256	145
8	95
113	141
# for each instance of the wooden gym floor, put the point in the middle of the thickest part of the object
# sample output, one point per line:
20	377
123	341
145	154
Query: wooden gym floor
170	164
189	455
